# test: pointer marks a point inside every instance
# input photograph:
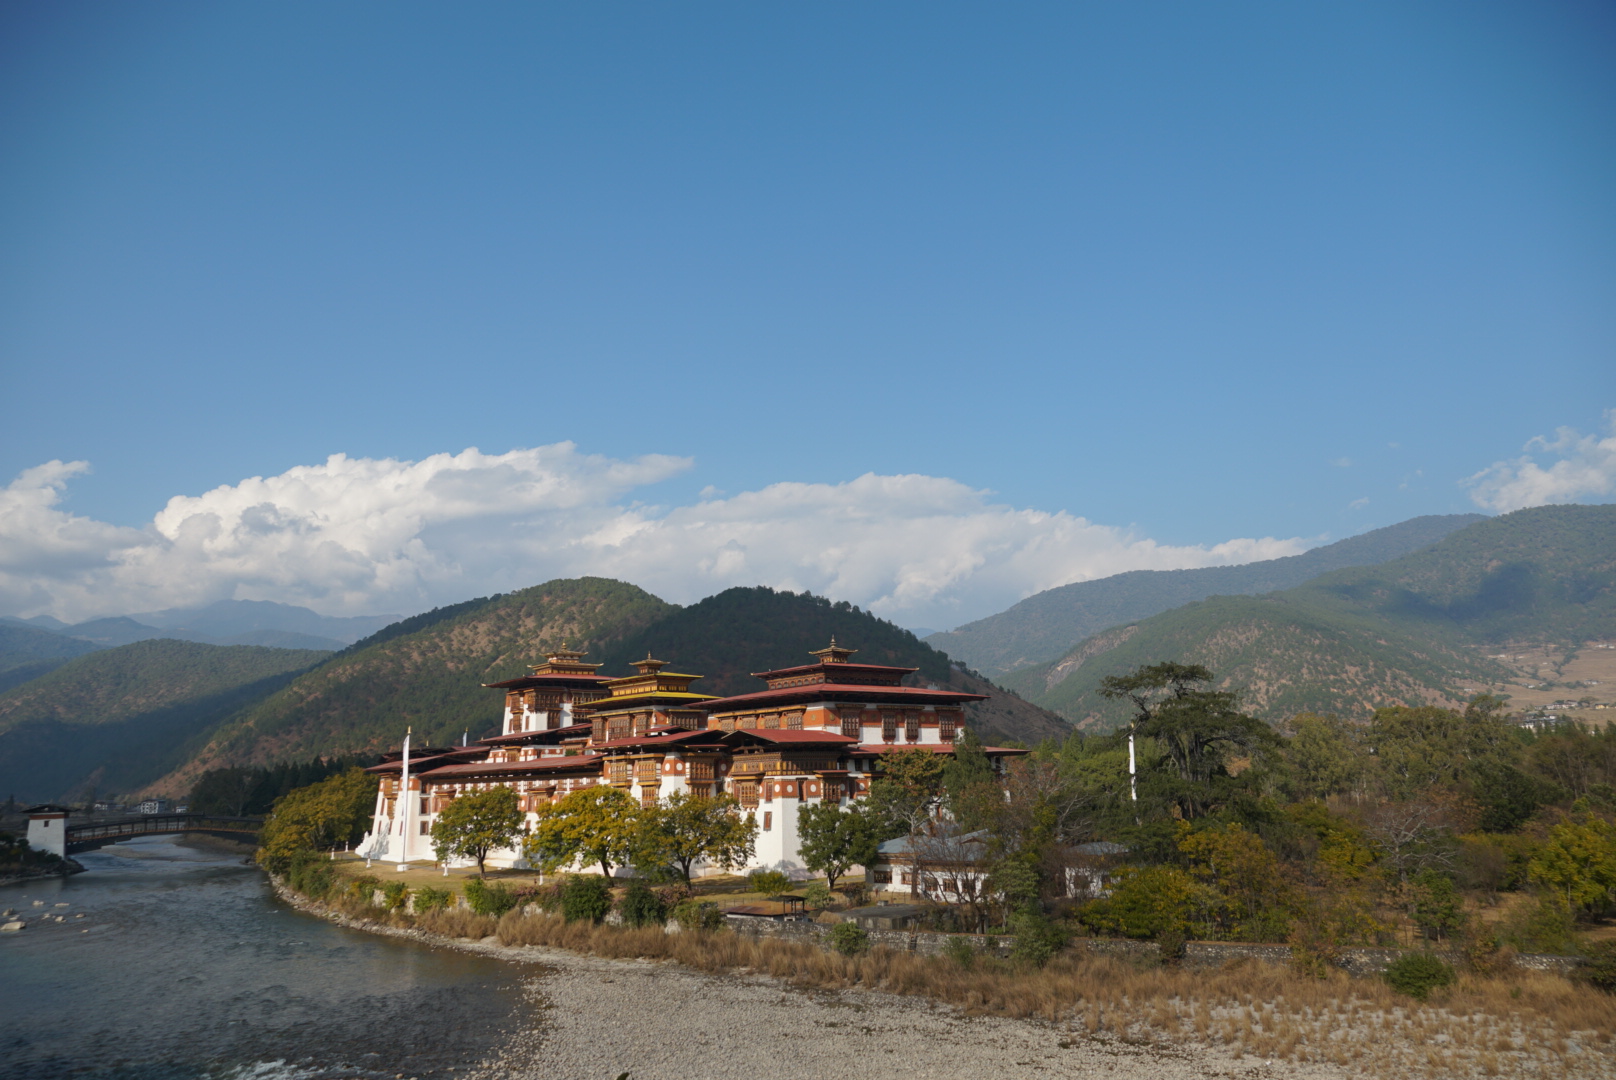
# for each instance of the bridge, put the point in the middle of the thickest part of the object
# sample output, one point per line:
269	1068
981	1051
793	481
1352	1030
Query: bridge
95	834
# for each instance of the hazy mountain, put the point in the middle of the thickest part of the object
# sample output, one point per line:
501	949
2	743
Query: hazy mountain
1404	632
237	618
120	718
38	622
1043	627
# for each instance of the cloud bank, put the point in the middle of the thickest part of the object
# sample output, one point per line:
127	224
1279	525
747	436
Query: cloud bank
357	535
1586	469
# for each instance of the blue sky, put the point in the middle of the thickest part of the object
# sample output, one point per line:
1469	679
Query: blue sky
1189	272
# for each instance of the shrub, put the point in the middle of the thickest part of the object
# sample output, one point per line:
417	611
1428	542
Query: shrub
311	874
816	894
395	894
1417	974
641	906
1037	939
698	915
958	949
585	898
1438	909
486	899
1598	968
1170	944
364	887
1146	903
857	894
430	899
769	882
848	938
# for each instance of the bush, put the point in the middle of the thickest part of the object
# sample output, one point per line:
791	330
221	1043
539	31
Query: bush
769	882
1170	944
958	949
486	899
849	939
430	899
1146	903
816	894
364	887
642	907
857	894
1598	968
1417	974
311	874
1438	909
1037	939
395	894
585	898
698	915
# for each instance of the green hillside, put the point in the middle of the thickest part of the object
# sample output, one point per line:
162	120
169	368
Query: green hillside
727	637
1043	627
120	718
426	672
1356	639
27	653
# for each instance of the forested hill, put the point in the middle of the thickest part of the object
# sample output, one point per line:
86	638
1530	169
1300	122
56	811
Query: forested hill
727	637
1408	631
120	718
1045	626
27	652
426	672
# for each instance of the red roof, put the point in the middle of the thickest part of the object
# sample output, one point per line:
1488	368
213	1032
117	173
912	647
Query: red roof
829	669
658	740
569	732
553	678
534	765
817	690
935	748
796	738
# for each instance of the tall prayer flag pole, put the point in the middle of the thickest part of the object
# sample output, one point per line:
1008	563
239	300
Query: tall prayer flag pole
404	805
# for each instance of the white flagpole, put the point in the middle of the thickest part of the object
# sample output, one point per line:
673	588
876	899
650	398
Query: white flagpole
404	805
1133	785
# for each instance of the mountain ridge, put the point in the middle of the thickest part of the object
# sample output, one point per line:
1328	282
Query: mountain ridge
1041	628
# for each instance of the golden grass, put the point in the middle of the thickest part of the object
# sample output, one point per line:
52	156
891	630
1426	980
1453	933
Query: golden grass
1524	1024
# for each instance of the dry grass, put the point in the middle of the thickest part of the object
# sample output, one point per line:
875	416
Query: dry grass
1528	1024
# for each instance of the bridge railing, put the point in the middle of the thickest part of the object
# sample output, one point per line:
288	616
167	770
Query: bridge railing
152	824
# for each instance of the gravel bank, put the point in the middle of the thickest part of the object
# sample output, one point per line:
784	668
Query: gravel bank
658	1021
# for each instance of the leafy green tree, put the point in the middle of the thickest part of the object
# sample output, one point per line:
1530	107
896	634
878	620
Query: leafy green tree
969	783
1259	899
684	829
476	823
835	840
1148	902
641	906
1417	749
1507	796
599	825
334	811
906	792
1578	862
1322	757
1438	909
1196	731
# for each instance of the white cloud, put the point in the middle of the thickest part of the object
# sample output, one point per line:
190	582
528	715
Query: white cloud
1586	469
355	535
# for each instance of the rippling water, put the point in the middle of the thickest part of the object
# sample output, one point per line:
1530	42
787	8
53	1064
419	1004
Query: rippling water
186	967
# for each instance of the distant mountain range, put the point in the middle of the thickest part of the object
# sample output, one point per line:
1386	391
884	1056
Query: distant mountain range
118	718
1408	631
1043	627
225	622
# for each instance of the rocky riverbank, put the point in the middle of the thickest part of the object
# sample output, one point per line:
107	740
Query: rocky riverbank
15	875
658	1020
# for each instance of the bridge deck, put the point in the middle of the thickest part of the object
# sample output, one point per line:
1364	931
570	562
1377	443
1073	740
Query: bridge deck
94	834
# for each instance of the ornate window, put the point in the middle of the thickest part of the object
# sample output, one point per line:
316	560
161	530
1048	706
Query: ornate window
850	725
947	726
911	726
794	721
889	727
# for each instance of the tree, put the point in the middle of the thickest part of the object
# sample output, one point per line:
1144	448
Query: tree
1425	747
1248	875
475	824
313	818
685	829
905	793
1195	729
835	840
969	782
1322	757
1578	862
598	825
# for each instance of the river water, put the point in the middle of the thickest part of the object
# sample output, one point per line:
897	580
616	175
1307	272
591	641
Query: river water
186	967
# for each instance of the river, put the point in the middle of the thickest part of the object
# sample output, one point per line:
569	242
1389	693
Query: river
185	966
